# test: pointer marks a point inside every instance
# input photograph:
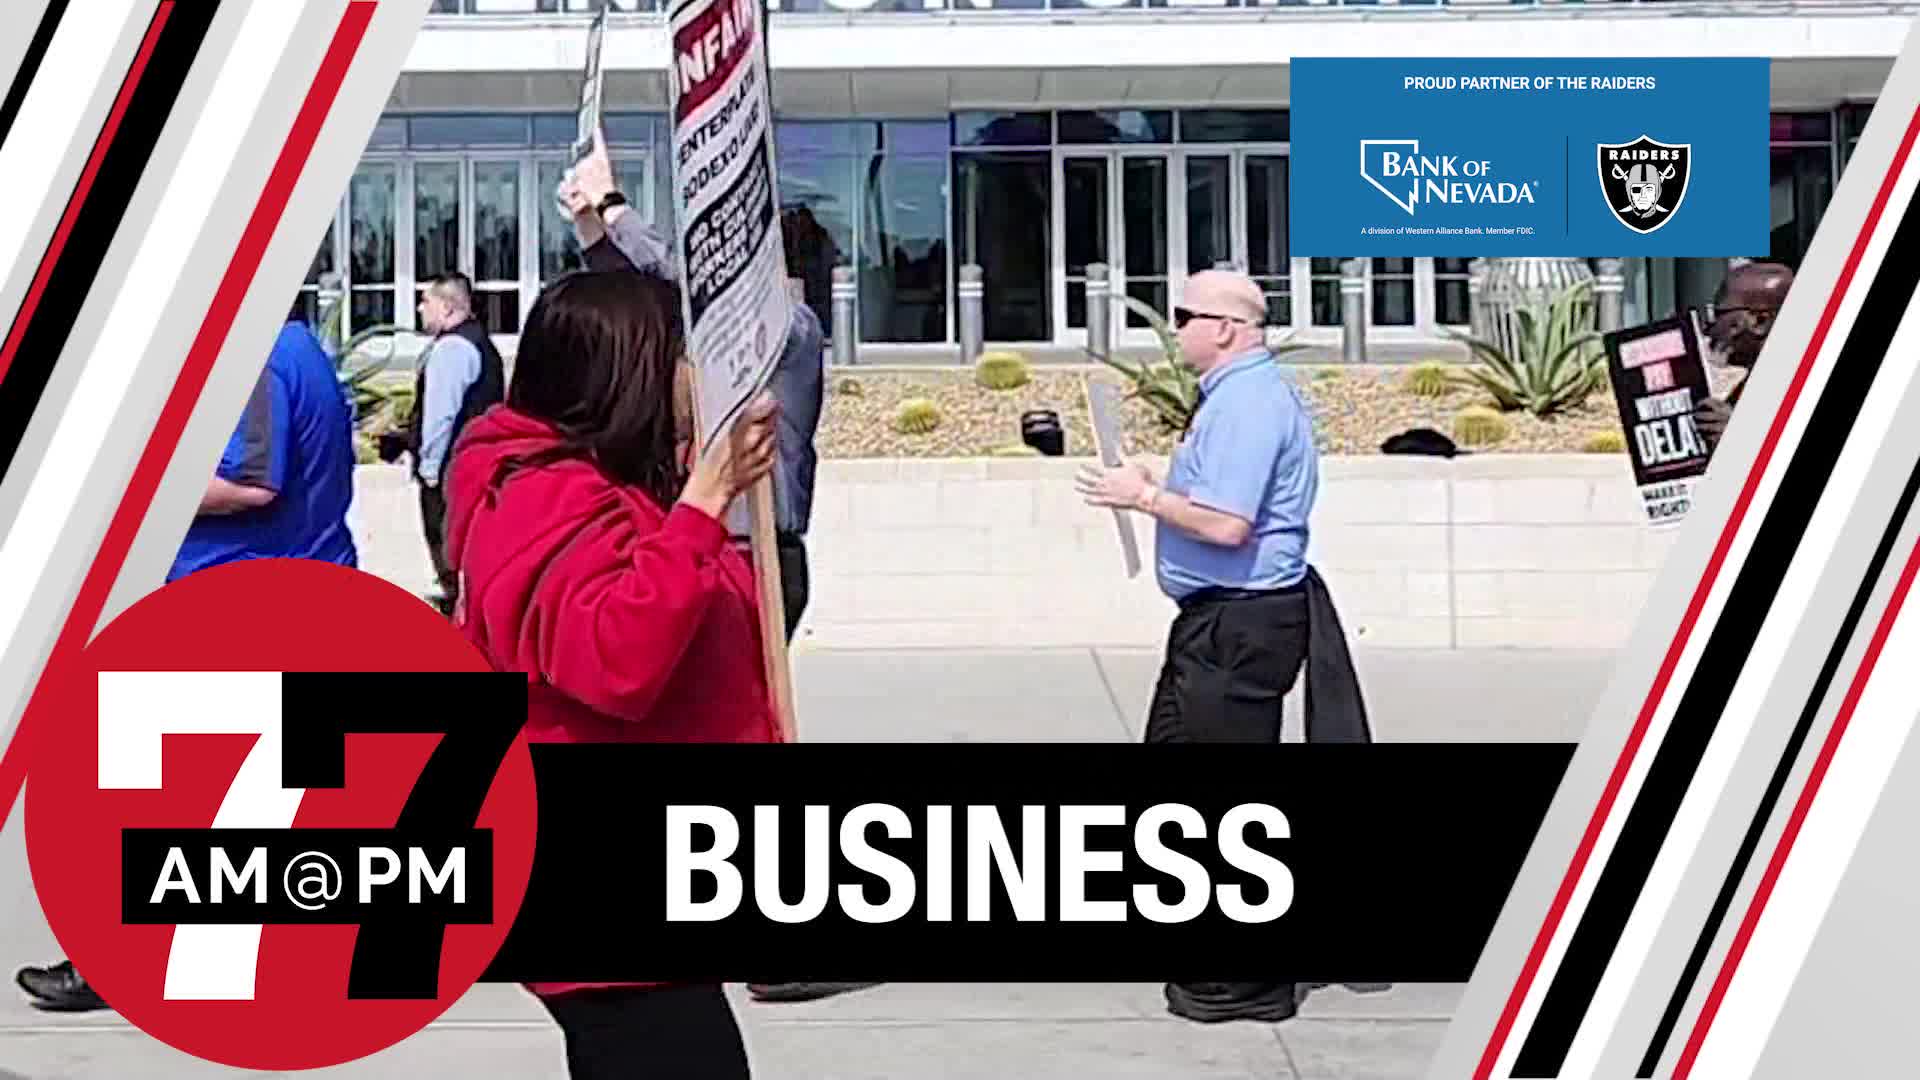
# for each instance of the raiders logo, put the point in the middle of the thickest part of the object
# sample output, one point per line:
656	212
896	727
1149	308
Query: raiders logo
1644	181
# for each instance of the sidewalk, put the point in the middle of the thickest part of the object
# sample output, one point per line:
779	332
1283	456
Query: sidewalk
962	1032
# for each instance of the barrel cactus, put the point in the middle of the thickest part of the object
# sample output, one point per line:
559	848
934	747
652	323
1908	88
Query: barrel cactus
1429	380
1605	442
1001	370
1478	425
916	417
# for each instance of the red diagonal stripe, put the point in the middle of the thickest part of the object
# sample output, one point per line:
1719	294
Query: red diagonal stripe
1634	738
92	598
79	197
1785	846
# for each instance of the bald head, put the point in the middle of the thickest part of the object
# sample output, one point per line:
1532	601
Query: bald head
1748	302
1225	315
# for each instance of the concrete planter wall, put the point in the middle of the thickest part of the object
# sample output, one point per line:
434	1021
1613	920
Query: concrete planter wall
1489	551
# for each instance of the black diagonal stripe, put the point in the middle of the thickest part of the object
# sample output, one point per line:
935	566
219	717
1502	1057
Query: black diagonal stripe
1782	772
98	220
1775	543
29	66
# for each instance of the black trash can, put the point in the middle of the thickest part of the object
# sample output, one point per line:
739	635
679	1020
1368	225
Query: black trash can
1041	430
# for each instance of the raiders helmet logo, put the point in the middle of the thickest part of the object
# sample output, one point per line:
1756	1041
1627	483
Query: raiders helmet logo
1644	181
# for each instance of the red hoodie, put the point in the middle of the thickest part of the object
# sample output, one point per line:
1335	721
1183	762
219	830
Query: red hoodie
632	624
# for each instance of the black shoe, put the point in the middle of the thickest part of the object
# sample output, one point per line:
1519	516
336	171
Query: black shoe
803	991
59	988
1214	1003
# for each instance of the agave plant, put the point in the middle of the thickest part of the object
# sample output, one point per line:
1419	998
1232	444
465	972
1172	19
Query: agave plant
1557	361
359	361
1168	386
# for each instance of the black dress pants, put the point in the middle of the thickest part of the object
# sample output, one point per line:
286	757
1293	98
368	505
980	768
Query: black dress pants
433	522
669	1033
1231	660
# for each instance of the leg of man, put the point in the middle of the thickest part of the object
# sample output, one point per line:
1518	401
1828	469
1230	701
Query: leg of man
1229	666
433	522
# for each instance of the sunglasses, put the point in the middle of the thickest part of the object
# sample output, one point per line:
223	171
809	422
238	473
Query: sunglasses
1183	316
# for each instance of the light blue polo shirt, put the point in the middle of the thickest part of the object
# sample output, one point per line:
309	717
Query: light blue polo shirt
1251	454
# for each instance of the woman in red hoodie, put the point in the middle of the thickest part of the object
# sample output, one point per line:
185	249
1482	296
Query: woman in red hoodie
593	558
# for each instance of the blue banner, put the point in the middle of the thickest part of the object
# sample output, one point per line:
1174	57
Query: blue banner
1554	158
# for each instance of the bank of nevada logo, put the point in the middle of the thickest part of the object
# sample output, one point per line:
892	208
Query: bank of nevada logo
1398	169
1644	181
282	869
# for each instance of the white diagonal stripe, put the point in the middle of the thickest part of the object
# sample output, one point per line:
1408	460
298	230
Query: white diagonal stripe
54	114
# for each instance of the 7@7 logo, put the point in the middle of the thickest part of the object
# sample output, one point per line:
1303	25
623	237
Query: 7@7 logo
302	856
222	884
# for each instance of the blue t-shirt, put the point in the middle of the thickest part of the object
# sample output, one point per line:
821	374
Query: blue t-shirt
295	437
1251	454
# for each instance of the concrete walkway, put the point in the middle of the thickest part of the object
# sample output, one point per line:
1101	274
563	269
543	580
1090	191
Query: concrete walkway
962	1032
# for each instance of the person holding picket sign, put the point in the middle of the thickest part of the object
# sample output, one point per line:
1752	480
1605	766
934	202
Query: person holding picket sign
589	540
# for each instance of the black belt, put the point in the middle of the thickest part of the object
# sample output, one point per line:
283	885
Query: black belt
1217	595
781	539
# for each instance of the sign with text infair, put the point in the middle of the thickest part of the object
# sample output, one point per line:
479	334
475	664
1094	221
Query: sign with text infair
1658	379
734	280
1555	158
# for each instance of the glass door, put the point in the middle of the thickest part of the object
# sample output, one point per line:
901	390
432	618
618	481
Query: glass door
1236	213
1115	207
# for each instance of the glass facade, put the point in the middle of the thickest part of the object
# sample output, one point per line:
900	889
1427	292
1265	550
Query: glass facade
1033	197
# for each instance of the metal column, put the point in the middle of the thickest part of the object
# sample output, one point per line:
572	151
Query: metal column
1099	311
973	291
1353	311
846	316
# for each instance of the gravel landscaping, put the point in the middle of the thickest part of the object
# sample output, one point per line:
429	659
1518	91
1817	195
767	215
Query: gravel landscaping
1354	408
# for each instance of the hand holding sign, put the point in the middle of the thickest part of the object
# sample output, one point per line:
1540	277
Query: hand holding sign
733	464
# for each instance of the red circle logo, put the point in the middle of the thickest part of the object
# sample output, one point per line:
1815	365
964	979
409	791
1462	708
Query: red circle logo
280	814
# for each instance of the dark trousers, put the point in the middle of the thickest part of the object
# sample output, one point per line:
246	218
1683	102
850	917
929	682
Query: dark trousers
794	585
1229	664
433	522
673	1033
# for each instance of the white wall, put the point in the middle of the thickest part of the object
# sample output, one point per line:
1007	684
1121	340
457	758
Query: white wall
1489	551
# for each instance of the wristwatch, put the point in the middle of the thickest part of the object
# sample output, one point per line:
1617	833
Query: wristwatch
612	199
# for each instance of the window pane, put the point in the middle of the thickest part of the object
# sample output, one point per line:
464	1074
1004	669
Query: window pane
628	129
498	310
1452	300
1003	216
1802	127
436	219
631	174
1209	213
903	259
1802	186
1393	292
914	137
469	130
390	133
1326	291
1116	126
371	307
496	221
554	129
793	138
1234	125
1267	215
1087	212
370	209
1002	129
819	204
323	260
559	250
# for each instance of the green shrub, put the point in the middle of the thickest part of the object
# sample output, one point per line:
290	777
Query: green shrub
365	450
1477	425
849	386
1605	442
1002	370
916	417
1013	450
1328	374
1557	362
1431	379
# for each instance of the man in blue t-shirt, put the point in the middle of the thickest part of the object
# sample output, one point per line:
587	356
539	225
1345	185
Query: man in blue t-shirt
285	482
281	491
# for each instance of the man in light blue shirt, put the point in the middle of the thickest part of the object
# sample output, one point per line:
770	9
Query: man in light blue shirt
1232	528
460	377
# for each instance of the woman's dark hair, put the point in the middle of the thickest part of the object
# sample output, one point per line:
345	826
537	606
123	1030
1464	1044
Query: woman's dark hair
596	360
